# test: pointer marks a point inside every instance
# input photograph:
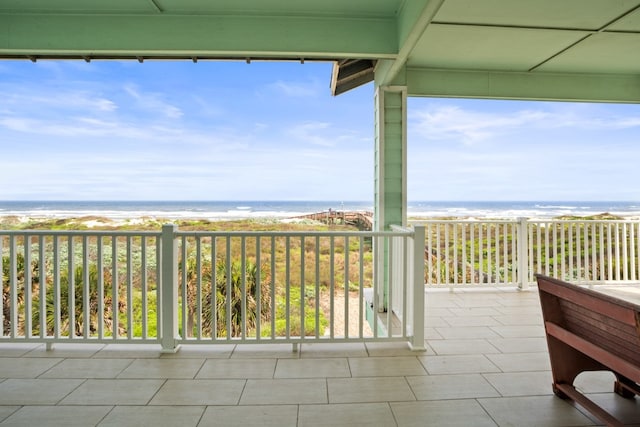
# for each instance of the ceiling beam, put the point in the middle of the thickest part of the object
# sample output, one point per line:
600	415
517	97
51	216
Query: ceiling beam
413	20
193	35
620	88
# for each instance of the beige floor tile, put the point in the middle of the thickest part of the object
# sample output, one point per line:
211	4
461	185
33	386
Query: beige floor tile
5	411
350	414
362	390
432	334
324	350
527	309
519	331
437	321
450	413
71	416
475	311
444	387
521	383
312	368
471	332
520	345
250	416
163	368
262	351
438	313
35	391
113	392
471	321
130	351
521	362
237	368
458	364
201	351
385	366
626	410
534	411
470	346
70	350
381	349
24	367
17	349
284	391
156	416
595	382
520	319
88	368
199	392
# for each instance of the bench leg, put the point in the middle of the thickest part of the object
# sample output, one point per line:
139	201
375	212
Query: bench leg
625	387
567	363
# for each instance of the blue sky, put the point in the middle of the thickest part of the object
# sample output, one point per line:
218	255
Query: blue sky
271	131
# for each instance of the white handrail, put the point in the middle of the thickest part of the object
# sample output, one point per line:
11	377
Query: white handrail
175	287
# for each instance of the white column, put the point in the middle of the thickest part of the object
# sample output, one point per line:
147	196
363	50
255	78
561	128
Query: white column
390	157
169	290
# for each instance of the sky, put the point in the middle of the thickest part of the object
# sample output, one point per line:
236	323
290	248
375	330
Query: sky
177	130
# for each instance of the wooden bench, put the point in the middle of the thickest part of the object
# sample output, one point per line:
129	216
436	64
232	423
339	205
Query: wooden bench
590	331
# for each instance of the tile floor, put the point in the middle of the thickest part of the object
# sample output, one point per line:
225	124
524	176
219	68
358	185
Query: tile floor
485	365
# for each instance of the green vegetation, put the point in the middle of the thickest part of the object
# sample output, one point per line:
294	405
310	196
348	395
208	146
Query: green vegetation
485	252
121	280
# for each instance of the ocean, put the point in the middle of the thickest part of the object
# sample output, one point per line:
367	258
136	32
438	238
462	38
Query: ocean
219	210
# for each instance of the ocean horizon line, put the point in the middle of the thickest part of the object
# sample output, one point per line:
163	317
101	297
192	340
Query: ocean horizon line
240	209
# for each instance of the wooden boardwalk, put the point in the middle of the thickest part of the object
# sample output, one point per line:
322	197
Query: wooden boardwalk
361	219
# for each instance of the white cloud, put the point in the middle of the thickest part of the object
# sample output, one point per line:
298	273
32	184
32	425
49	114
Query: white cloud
295	89
153	102
438	122
312	133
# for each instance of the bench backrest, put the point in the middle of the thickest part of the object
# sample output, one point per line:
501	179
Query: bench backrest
610	323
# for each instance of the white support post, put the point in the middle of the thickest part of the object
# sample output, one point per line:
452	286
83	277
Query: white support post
417	341
523	259
169	289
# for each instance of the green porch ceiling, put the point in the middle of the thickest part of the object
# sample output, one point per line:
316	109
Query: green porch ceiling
576	50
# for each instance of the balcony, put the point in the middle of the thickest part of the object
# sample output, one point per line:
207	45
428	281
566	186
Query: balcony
485	364
335	357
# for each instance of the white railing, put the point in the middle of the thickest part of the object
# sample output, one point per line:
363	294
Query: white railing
179	287
60	285
508	253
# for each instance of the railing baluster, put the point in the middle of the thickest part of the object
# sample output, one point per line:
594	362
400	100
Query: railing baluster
302	293
243	287
129	288
361	288
71	276
258	288
287	275
101	296
273	287
198	287
115	284
186	333
144	287
317	289
56	287
42	284
455	246
214	288
623	262
229	291
13	285
346	286
332	287
86	297
446	254
28	287
389	282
